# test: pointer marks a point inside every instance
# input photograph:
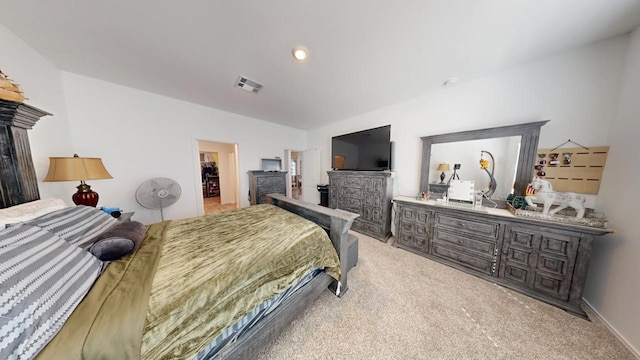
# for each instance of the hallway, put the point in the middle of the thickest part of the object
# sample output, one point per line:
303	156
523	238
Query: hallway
212	205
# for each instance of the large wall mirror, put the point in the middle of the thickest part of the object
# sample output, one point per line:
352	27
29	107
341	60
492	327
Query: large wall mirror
510	151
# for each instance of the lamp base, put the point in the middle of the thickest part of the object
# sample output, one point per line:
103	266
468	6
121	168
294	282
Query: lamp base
85	196
442	176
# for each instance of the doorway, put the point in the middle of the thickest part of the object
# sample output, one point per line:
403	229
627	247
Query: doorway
303	168
218	176
295	175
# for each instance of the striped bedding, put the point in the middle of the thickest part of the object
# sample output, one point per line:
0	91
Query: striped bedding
45	273
77	225
43	278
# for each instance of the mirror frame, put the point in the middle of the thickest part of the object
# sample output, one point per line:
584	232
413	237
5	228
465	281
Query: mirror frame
529	133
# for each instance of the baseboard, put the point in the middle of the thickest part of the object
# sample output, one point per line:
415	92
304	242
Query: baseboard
622	339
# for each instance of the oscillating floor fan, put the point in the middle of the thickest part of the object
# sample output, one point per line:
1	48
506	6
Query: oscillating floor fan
158	193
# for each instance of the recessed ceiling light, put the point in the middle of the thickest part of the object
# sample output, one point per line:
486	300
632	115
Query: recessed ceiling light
300	53
450	82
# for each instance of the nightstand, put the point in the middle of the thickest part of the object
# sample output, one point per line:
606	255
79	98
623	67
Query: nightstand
125	216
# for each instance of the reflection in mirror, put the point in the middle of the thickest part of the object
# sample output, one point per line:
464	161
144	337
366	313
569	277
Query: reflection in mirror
504	163
527	133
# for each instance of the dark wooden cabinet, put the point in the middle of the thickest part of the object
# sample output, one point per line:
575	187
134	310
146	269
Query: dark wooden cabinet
366	193
262	183
19	183
545	260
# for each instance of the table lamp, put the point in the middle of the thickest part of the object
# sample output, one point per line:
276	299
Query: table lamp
78	168
443	167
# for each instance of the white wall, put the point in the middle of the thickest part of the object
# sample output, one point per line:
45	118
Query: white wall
140	135
576	90
613	286
40	80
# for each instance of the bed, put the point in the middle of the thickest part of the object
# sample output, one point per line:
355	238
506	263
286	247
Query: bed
214	287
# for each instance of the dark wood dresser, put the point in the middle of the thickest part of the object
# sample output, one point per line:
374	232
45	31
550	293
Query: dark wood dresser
366	193
543	259
262	183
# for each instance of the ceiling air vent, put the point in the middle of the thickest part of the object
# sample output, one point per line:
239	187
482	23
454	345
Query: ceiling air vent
249	85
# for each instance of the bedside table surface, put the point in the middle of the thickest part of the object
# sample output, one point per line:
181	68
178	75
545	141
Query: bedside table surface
125	216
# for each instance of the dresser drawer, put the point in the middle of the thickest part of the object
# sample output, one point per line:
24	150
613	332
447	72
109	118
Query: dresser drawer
479	263
350	192
270	180
354	181
468	226
353	205
464	241
277	188
372	228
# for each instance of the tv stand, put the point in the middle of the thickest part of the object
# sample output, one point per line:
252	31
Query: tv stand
366	193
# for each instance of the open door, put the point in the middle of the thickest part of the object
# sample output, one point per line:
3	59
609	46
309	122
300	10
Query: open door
287	168
310	171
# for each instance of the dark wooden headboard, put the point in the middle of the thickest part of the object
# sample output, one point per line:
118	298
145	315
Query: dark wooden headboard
18	182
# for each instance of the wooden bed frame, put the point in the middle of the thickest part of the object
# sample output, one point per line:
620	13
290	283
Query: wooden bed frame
337	224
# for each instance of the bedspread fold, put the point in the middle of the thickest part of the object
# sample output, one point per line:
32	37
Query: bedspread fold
215	269
109	321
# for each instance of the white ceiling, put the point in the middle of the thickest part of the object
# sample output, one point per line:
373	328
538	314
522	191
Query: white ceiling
364	54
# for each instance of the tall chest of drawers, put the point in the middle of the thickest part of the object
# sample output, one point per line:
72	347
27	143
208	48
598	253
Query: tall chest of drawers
262	183
545	260
367	193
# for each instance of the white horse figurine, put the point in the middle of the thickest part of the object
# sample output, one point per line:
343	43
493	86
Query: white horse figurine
543	193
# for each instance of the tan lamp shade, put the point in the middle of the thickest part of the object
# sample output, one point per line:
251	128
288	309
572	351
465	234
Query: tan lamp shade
443	167
76	168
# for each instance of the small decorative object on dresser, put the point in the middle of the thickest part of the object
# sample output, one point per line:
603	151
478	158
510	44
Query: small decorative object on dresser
542	192
443	167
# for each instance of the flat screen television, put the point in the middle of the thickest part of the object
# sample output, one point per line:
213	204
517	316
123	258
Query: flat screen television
271	164
363	150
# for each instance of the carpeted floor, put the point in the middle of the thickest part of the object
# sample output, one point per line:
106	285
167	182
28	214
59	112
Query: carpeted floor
403	306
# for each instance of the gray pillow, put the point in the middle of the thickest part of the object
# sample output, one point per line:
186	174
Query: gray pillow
118	241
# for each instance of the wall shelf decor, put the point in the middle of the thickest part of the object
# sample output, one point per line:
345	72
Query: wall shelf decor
576	169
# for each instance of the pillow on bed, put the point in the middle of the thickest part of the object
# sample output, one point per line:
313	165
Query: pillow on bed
77	225
119	241
27	211
43	278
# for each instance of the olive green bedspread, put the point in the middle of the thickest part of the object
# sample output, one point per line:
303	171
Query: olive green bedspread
189	280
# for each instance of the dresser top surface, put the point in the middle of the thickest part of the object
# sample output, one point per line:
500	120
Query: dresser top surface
501	213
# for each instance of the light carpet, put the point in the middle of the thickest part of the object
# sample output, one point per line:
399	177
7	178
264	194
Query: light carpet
404	306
